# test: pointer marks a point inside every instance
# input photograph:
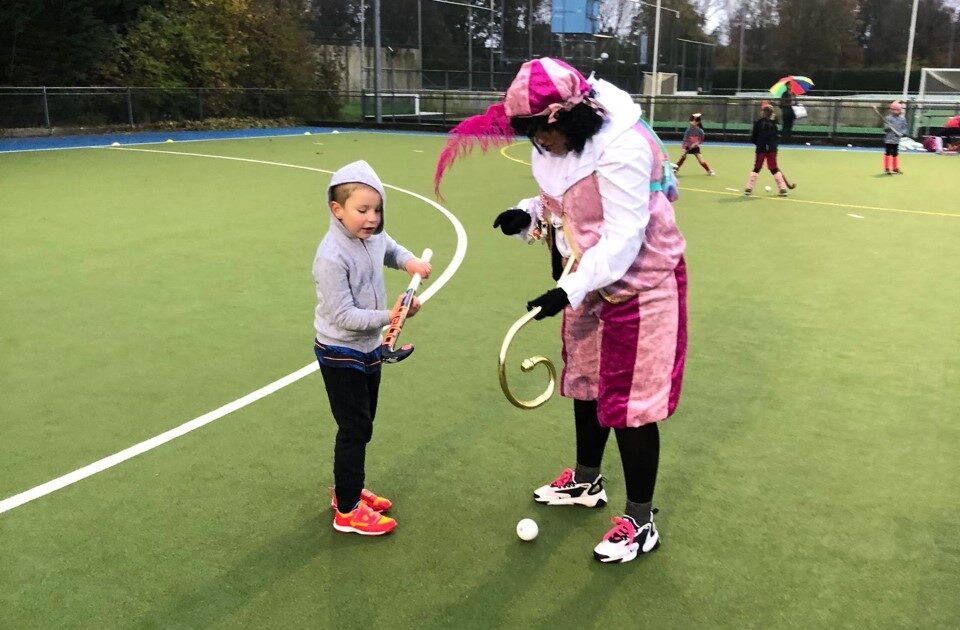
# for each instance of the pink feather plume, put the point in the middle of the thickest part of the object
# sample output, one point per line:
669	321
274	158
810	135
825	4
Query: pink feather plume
488	129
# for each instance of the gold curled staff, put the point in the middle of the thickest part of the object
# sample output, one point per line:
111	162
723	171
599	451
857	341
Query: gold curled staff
529	363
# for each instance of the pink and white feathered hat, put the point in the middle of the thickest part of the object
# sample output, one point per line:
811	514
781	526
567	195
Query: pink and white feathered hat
542	87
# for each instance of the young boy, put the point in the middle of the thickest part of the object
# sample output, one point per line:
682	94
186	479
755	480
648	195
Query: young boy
895	126
692	141
351	311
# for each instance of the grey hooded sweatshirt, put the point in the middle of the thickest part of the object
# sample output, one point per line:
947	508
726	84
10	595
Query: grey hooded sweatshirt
352	306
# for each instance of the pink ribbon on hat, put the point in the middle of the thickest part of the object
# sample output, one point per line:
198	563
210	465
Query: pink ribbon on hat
552	109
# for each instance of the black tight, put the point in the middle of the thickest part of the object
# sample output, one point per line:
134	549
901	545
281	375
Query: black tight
639	450
591	437
640	454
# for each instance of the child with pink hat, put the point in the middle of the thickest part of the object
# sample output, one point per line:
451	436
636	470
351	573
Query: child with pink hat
605	193
894	127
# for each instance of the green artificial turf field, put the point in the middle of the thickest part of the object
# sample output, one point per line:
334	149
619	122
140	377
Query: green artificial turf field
808	480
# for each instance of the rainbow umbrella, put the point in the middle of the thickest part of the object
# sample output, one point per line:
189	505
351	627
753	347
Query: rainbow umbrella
798	85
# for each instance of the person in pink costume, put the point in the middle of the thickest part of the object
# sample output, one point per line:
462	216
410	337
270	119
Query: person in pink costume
605	193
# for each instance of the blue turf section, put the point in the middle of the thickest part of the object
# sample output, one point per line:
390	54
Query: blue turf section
105	140
49	143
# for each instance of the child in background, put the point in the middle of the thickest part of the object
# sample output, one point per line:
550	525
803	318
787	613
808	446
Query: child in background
351	311
692	140
895	126
766	136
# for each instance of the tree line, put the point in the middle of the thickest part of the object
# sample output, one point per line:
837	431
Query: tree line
272	43
816	35
159	43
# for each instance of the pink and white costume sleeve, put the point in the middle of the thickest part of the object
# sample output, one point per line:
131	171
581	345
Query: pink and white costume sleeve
623	175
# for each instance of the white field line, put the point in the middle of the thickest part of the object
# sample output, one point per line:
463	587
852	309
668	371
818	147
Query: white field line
128	453
146	445
185	140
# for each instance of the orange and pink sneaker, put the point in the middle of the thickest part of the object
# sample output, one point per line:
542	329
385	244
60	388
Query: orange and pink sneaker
378	504
363	520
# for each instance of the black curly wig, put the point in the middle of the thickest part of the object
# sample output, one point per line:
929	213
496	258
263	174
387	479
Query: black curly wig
578	124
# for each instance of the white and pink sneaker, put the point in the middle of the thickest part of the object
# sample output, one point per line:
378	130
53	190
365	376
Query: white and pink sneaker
626	540
565	490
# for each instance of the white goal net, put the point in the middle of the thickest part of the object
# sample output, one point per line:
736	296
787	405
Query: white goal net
668	83
940	84
939	97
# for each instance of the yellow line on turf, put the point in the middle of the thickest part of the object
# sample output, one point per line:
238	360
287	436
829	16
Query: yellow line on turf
503	152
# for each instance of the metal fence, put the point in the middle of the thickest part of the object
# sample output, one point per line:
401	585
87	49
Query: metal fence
47	109
52	107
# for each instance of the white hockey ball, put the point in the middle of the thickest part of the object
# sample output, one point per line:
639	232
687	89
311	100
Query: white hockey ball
527	529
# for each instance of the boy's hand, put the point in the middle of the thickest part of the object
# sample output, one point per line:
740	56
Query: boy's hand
415	266
414	306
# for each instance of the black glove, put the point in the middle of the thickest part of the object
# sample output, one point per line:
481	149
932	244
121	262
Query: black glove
512	221
550	303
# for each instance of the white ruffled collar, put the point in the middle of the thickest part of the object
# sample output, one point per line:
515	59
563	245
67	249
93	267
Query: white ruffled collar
555	174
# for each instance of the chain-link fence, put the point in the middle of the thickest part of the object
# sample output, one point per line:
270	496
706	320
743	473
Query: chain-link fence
71	107
45	109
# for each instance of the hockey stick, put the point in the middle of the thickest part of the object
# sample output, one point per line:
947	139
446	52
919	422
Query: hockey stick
388	351
885	126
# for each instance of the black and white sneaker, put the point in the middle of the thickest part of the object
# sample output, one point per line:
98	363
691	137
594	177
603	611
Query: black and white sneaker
626	540
564	490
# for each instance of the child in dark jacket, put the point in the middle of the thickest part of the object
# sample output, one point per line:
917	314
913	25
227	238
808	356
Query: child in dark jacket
766	137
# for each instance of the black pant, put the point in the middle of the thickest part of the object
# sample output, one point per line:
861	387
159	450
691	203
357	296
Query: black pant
353	401
639	450
892	149
788	118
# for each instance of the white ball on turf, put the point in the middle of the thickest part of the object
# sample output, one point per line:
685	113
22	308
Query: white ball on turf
604	56
767	188
527	529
